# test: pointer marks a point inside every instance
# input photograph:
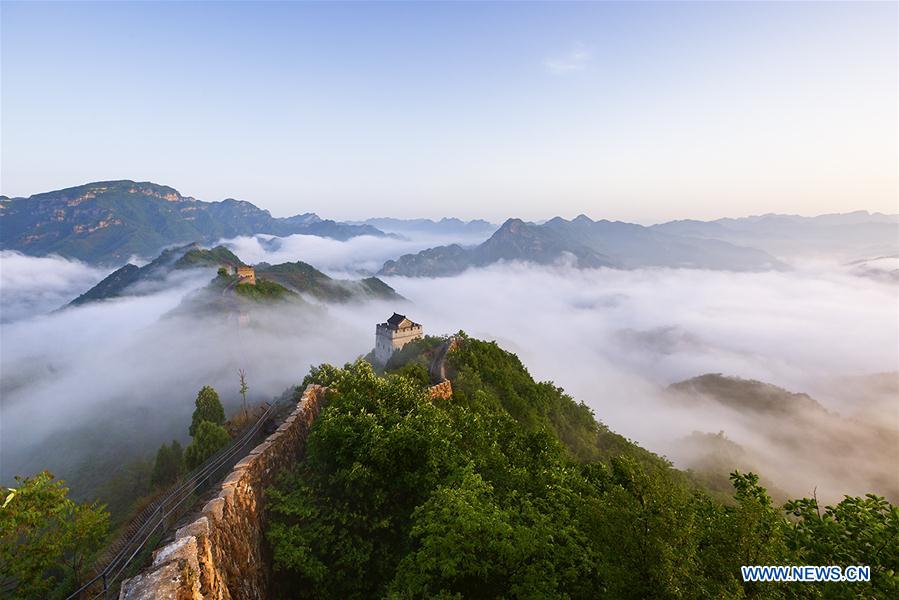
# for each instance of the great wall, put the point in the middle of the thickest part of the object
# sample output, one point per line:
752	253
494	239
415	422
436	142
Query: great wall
222	554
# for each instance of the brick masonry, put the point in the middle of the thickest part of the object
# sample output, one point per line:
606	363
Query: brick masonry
222	554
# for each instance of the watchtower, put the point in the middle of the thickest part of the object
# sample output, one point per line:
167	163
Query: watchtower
392	335
246	275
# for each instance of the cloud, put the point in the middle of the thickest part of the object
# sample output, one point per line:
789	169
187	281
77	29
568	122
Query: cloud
86	387
32	285
358	255
615	339
118	378
576	59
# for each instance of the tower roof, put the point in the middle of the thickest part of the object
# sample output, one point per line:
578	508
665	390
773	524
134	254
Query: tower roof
398	321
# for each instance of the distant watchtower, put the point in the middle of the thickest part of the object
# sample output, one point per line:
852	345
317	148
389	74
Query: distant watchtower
393	335
246	275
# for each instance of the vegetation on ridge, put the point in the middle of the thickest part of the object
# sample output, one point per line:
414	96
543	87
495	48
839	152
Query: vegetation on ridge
303	278
505	490
46	539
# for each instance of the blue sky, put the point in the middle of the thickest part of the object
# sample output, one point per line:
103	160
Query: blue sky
637	111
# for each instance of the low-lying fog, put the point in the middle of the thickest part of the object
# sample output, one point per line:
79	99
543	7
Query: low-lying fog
359	255
114	380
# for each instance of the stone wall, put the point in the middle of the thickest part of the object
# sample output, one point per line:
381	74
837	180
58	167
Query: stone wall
444	390
222	555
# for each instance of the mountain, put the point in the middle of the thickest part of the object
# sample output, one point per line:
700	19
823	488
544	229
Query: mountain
882	268
151	277
791	436
445	226
590	243
515	240
108	222
200	257
285	284
305	279
634	246
848	236
273	281
746	395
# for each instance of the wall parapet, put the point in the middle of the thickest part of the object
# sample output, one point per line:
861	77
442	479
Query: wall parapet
221	555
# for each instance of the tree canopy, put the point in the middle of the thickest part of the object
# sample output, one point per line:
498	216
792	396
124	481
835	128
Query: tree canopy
45	537
506	490
210	438
169	464
208	408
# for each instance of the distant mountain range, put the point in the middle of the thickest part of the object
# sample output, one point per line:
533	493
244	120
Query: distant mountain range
589	244
296	277
445	226
110	221
850	236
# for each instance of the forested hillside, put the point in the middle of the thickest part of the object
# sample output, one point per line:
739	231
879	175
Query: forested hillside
512	489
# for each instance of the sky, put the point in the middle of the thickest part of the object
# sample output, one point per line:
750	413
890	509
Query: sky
642	112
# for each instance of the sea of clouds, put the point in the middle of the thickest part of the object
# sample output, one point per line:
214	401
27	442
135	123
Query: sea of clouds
357	256
120	377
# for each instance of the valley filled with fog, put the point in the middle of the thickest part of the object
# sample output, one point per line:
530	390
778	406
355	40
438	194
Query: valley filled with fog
88	387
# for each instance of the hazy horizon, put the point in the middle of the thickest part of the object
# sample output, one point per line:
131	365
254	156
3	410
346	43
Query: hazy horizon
496	221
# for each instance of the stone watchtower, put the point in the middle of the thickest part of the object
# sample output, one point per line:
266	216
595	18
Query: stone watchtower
393	335
246	275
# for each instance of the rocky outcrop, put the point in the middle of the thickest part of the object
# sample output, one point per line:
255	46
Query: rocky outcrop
222	554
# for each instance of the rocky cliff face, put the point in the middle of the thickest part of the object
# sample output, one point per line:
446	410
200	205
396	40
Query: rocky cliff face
222	554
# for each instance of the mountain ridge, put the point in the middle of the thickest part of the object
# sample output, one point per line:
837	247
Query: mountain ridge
110	221
592	244
848	236
297	277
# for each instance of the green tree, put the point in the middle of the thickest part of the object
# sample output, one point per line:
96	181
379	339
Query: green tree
415	372
857	531
633	531
210	438
45	537
465	544
749	532
208	408
169	465
380	447
400	496
514	490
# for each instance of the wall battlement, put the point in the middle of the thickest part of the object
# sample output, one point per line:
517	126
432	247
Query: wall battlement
221	555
